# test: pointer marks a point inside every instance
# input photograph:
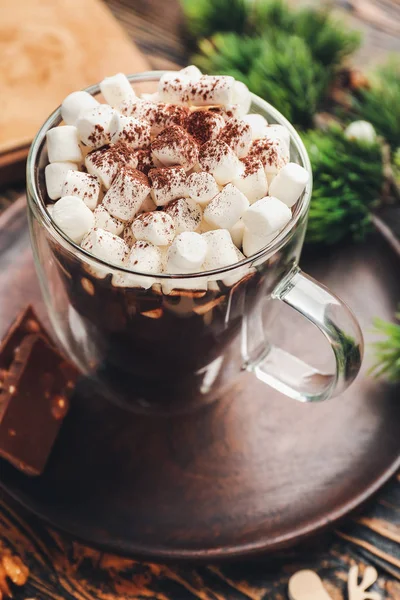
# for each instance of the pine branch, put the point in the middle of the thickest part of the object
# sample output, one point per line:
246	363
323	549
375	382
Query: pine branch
206	17
380	104
348	177
387	351
286	75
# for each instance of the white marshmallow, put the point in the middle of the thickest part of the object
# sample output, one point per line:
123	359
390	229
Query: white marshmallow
143	258
186	253
217	158
133	132
106	246
116	89
237	134
63	144
226	208
258	125
204	125
168	183
105	162
150	97
126	194
202	187
175	146
289	183
266	216
211	90
241	97
221	251
252	182
103	220
362	131
253	243
156	227
93	126
227	112
191	72
54	175
147	205
49	208
237	274
74	104
278	132
144	110
73	217
172	87
185	213
237	233
274	154
83	185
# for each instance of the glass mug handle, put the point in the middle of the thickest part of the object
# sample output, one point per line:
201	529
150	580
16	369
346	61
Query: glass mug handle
290	375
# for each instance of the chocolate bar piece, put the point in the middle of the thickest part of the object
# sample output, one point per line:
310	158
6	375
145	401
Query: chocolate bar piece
35	385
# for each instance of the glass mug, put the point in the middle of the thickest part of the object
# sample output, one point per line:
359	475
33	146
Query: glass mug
180	341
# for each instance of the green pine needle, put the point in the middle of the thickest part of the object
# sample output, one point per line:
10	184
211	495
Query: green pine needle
206	17
228	54
286	75
380	104
387	351
348	177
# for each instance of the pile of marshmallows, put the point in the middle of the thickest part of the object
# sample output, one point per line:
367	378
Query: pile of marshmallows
180	181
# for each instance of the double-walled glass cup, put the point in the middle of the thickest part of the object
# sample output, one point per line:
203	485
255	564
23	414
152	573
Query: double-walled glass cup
166	343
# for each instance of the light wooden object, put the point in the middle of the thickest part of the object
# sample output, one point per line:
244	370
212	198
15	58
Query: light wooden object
49	48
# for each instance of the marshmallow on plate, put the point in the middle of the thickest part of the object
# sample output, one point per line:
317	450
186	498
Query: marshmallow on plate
83	185
202	187
252	182
105	162
73	217
253	243
241	97
133	132
172	87
74	104
127	193
116	89
266	216
93	126
168	183
226	208
186	253
54	175
237	233
237	134
175	146
289	183
258	125
221	251
155	227
143	258
185	213
211	90
205	125
106	246
63	144
278	132
103	220
218	158
274	154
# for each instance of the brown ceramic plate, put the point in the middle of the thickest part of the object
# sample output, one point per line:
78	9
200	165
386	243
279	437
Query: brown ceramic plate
252	473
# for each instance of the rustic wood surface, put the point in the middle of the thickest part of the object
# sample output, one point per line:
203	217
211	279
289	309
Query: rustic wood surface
63	568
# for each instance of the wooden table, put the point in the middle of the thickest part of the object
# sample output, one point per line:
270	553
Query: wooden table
63	568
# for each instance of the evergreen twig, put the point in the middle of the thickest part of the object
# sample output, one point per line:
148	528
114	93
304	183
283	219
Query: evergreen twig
380	104
348	177
387	351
